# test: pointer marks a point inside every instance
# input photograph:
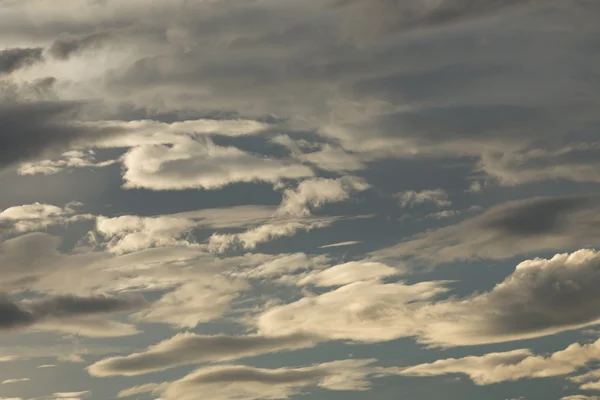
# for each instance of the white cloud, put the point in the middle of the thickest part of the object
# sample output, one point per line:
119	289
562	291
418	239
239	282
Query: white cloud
411	198
366	311
541	297
264	233
314	193
189	348
36	216
512	365
350	272
18	380
340	244
192	303
188	163
239	382
70	159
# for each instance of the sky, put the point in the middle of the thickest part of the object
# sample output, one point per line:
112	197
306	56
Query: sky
299	199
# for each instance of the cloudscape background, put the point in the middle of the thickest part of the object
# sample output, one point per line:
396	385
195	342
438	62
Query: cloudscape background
317	199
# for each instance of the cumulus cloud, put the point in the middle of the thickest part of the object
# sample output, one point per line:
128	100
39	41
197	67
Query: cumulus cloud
36	216
366	311
507	230
541	297
69	159
129	233
190	348
250	383
15	58
314	193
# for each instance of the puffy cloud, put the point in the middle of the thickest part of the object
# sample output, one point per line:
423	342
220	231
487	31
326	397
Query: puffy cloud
314	193
70	159
410	198
129	233
190	348
250	383
15	58
366	311
512	365
32	217
541	297
507	230
202	164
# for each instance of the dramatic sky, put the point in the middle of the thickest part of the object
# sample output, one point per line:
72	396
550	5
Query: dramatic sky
299	199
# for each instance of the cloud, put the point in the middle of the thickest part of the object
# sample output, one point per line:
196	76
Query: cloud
512	365
541	297
507	230
36	216
202	164
580	397
365	311
314	193
250	383
128	233
34	128
390	16
69	314
283	266
68	45
411	198
7	381
350	272
340	244
251	238
190	348
15	58
195	302
70	159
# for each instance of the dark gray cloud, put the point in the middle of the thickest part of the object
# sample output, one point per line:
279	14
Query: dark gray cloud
507	230
35	124
68	45
188	348
390	16
15	58
32	128
26	313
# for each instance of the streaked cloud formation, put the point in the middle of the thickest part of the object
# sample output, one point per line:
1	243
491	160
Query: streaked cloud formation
249	200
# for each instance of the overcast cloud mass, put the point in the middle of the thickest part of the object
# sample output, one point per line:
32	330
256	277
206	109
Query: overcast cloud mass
317	199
